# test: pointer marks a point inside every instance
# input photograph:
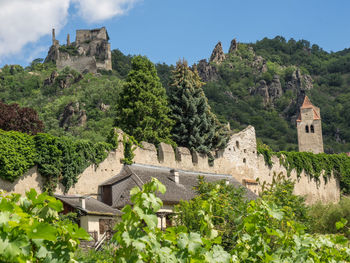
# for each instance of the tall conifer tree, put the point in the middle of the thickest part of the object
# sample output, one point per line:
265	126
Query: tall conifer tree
142	109
196	127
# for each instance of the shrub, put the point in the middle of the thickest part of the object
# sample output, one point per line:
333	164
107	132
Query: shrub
31	230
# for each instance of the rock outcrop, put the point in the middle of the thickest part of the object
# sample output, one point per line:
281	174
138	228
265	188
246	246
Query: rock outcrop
270	91
218	55
206	71
72	115
233	46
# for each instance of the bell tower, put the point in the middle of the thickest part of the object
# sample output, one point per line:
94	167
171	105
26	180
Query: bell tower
309	128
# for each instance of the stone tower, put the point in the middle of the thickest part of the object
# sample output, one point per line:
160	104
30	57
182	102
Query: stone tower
309	128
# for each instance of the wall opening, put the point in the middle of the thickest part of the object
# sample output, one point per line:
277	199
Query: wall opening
244	160
237	144
312	129
307	128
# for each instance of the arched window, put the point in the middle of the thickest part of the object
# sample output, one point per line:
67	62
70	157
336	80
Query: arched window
312	129
307	128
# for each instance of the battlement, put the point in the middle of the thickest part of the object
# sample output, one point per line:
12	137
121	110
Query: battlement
239	159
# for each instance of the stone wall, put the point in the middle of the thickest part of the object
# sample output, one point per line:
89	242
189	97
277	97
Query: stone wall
239	159
79	63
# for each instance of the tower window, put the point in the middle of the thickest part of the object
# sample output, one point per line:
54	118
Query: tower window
307	128
312	129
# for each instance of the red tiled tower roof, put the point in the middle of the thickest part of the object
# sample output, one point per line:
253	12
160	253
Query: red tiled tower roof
308	105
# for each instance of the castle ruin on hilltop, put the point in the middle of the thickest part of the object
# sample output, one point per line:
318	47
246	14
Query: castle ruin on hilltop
90	52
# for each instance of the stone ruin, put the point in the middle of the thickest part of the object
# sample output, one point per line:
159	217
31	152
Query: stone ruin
90	52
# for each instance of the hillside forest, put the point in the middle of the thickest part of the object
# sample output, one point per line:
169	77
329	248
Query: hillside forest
260	84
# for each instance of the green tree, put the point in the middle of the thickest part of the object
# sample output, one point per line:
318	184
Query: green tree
196	127
142	108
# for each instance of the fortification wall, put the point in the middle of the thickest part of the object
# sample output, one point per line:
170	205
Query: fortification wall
239	159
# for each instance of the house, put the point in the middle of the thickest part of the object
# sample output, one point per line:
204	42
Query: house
95	217
115	192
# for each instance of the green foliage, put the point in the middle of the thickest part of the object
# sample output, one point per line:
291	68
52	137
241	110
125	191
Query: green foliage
139	239
71	50
268	233
31	230
17	154
280	193
196	127
314	165
142	106
225	204
58	158
121	63
129	144
103	255
325	218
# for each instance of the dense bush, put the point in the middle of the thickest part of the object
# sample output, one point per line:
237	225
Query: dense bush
225	203
58	158
31	230
15	118
17	154
324	217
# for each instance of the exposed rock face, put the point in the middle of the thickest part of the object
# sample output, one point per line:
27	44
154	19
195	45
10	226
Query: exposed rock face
218	55
269	92
51	80
103	107
299	84
206	71
233	46
260	64
275	88
72	114
62	81
90	51
263	90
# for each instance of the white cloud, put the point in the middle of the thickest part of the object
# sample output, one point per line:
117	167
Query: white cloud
26	21
99	10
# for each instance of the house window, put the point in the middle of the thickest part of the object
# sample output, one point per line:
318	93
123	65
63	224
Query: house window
312	129
307	129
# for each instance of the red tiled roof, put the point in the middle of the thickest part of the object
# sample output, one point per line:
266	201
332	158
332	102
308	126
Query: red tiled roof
308	105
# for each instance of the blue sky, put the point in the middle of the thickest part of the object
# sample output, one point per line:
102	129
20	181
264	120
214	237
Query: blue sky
166	30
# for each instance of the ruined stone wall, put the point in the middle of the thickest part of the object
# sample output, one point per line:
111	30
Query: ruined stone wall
79	63
239	159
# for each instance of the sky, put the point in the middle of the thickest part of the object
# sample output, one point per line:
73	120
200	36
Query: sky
169	30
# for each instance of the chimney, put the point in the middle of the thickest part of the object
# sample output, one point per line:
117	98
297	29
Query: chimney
53	37
82	202
68	40
175	175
